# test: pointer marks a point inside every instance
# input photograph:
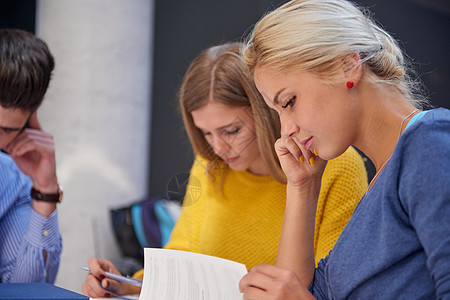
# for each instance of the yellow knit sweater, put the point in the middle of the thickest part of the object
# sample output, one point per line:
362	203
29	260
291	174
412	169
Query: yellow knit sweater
244	222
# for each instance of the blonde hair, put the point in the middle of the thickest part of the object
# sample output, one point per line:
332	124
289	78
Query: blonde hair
316	36
217	74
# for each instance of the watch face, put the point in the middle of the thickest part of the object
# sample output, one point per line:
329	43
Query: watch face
60	193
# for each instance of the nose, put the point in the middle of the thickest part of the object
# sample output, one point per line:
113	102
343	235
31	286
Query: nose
219	145
288	127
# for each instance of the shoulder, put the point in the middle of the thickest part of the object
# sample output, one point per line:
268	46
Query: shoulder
199	166
436	119
6	161
345	177
421	174
421	157
199	175
14	184
9	172
200	161
428	137
351	155
430	133
350	162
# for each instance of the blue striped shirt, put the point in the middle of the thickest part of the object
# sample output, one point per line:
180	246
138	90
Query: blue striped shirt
25	234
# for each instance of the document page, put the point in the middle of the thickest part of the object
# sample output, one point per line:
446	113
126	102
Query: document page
173	274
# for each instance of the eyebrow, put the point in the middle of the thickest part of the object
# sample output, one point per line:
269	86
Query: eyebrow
235	122
231	124
275	99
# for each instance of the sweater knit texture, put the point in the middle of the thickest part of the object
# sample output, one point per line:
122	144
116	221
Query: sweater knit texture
397	243
243	221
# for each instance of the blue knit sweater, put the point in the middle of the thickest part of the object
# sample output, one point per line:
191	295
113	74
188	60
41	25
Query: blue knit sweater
397	243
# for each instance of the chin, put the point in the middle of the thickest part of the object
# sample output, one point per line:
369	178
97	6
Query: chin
237	167
326	155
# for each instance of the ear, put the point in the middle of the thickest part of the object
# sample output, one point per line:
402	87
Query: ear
352	68
34	122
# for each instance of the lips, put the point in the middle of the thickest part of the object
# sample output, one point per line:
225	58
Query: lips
230	160
307	143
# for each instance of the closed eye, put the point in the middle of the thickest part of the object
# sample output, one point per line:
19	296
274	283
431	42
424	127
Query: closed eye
9	130
290	103
233	131
206	133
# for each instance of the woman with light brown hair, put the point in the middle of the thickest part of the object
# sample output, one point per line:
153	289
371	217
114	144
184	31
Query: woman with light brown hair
235	199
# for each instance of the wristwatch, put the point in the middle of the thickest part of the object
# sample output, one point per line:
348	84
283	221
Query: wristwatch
56	198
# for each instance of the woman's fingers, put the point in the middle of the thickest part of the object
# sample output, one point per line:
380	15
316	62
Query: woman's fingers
286	146
298	163
252	293
113	285
98	267
275	272
254	279
97	276
271	282
91	287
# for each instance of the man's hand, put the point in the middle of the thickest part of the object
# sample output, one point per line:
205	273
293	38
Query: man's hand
33	150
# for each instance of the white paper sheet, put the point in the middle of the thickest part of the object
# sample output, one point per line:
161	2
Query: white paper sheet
176	275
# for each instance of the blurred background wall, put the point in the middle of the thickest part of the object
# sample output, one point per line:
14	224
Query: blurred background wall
98	108
112	102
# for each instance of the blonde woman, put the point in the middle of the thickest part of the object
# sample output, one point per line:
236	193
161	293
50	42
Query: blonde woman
337	79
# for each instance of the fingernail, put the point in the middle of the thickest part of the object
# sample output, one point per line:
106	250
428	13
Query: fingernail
315	152
312	162
302	159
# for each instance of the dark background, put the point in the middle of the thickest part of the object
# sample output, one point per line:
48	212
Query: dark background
18	14
184	28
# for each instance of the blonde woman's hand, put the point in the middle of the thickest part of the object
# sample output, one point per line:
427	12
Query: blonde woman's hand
299	164
271	282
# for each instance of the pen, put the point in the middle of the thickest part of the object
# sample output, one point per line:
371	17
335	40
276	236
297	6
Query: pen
132	281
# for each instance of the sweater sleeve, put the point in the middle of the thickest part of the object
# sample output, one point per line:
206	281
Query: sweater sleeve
424	191
319	287
343	185
185	234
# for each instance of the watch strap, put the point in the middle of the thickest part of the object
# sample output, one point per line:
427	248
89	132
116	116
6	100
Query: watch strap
55	198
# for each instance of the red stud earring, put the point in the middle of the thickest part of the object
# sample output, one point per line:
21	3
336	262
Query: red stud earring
349	84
